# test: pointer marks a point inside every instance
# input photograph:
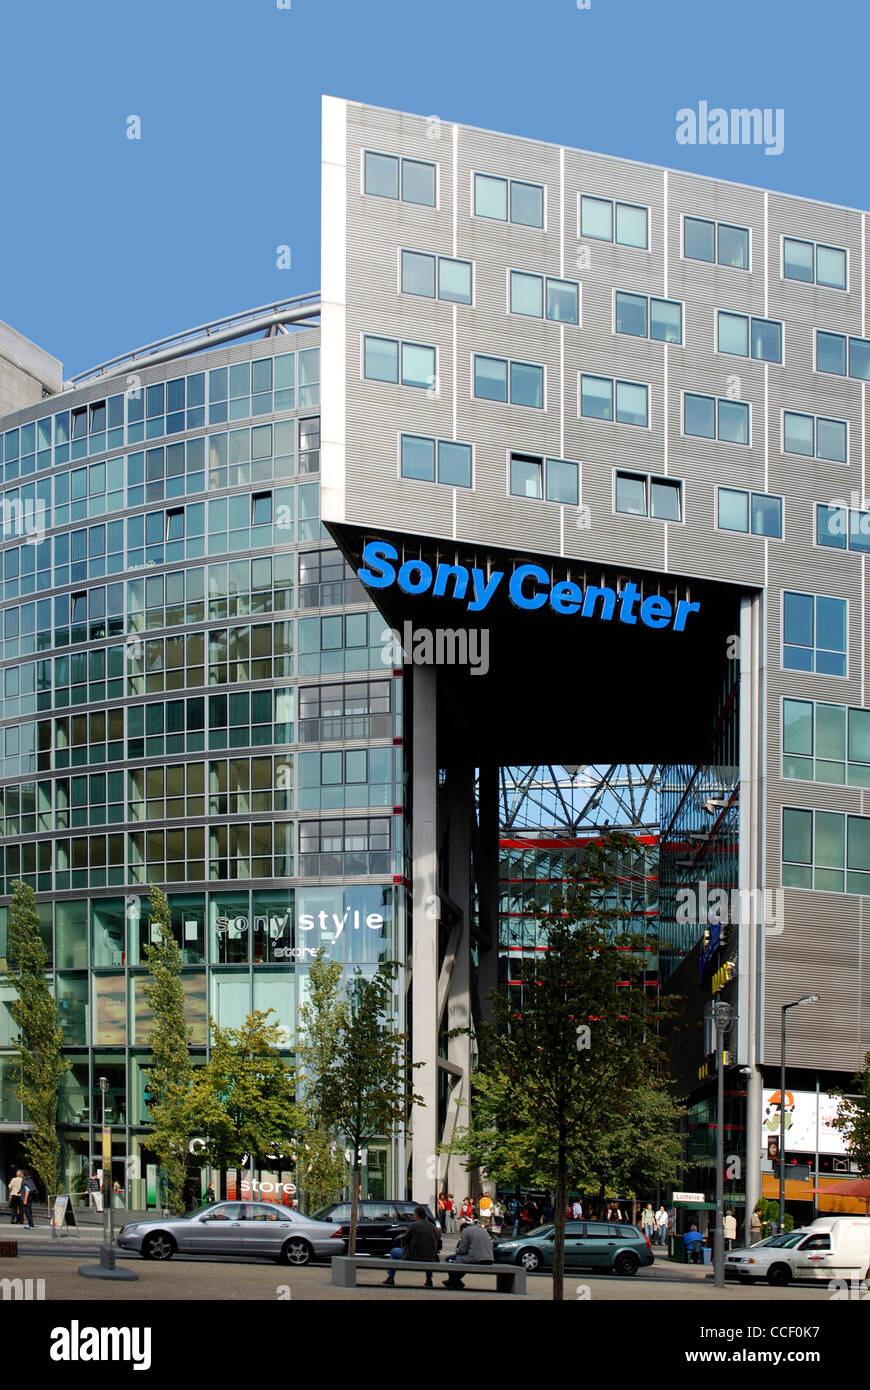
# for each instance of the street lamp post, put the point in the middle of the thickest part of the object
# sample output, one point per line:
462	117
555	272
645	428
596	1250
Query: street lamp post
805	999
107	1268
722	1014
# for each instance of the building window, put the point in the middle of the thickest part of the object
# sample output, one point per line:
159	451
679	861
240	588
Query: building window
814	634
540	296
716	417
815	436
742	336
557	480
509	200
412	180
842	528
436	277
831	355
825	850
814	263
497	379
435	460
640	494
383	358
826	743
642	316
602	219
603	398
717	242
756	513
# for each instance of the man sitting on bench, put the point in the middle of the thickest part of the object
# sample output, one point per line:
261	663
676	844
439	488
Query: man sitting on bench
474	1247
420	1243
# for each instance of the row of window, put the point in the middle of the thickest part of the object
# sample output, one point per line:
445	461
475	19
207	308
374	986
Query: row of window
601	219
826	743
825	850
262	387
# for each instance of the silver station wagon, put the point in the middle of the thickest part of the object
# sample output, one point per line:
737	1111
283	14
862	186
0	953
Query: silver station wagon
263	1230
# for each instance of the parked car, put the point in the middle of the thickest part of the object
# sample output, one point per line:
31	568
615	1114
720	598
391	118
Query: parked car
381	1224
594	1244
263	1229
829	1248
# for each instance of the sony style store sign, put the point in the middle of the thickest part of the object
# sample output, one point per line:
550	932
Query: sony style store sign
324	917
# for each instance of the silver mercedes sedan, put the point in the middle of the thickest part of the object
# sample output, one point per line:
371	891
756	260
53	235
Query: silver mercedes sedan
263	1230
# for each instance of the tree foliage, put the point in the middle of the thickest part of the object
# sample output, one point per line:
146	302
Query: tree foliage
357	1076
243	1100
566	1063
40	1059
853	1119
171	1069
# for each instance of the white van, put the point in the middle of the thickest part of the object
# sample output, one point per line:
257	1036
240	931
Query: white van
830	1248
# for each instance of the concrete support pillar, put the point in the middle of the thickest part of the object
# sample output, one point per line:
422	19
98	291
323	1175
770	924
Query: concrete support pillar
752	874
460	811
487	874
424	928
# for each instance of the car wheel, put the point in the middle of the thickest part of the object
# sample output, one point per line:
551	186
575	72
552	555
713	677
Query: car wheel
778	1276
296	1252
158	1246
530	1260
626	1263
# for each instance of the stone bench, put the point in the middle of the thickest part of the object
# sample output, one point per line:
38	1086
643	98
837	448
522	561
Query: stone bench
508	1278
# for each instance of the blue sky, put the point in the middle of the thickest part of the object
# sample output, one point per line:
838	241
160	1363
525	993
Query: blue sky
107	243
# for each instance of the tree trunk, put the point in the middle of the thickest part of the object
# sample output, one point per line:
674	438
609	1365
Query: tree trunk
354	1201
634	1211
561	1199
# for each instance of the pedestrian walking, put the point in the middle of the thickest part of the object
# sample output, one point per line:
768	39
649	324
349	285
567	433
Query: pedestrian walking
729	1229
661	1219
96	1193
648	1222
450	1214
754	1228
28	1187
484	1208
15	1197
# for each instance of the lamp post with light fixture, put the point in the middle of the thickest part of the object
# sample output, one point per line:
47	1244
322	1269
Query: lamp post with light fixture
804	999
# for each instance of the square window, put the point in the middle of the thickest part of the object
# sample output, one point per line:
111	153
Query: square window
734	422
527	204
831	623
526	476
527	294
596	218
418	457
454	463
734	334
596	397
666	320
699	416
631	314
418	365
797	836
381	359
563	301
381	175
831	526
699	239
766	515
831	353
831	267
631	226
527	385
798	433
797	259
767	340
631	494
563	482
665	499
859	531
831	440
798	620
490	378
418	182
859	358
733	509
454	280
418	274
490	197
733	246
632	403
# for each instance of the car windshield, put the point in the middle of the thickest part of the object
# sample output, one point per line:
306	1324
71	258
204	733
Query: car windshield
541	1232
785	1240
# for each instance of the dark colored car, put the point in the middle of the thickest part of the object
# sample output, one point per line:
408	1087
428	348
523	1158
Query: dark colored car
588	1244
381	1224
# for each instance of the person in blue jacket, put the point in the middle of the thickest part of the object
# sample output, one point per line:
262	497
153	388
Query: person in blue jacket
693	1241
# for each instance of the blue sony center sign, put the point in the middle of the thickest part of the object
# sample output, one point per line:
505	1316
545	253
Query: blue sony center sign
529	586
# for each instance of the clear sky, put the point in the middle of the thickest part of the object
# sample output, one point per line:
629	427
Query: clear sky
107	243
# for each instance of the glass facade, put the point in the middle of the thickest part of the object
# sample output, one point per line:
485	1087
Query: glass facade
167	594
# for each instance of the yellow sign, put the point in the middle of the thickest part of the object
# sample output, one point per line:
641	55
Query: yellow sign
723	976
107	1156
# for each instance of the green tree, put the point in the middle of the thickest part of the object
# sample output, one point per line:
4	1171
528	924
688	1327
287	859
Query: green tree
40	1057
640	1147
243	1100
321	1168
357	1076
171	1071
853	1119
555	1059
